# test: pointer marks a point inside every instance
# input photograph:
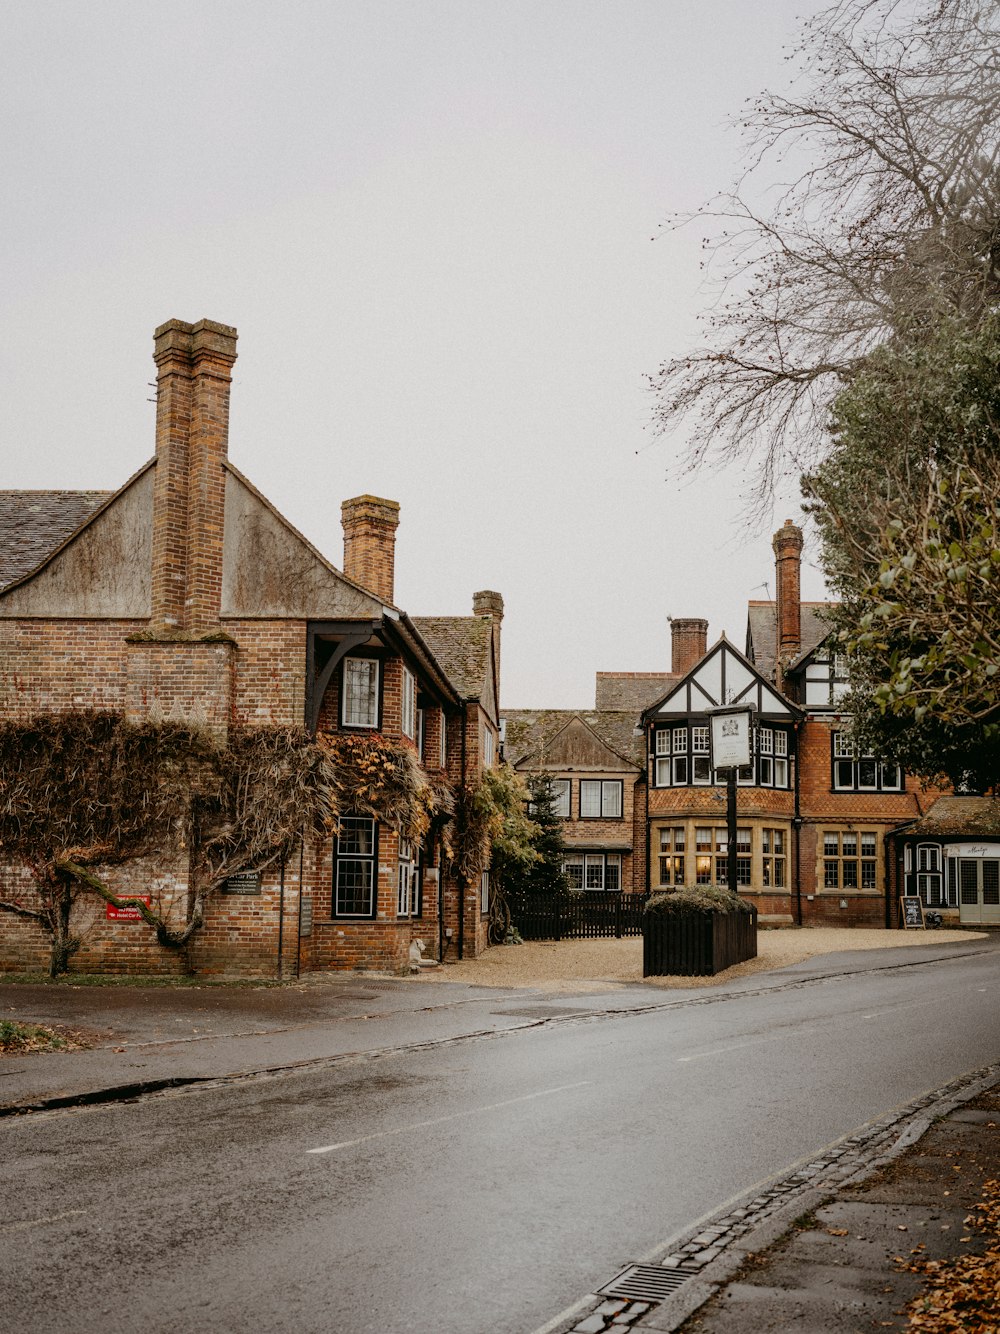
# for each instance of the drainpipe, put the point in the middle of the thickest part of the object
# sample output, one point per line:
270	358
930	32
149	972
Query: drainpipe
298	934
281	914
888	846
797	826
462	885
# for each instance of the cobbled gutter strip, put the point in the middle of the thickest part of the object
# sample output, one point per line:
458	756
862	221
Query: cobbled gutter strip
847	1162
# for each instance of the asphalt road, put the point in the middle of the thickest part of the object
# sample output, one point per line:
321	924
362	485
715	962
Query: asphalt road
476	1188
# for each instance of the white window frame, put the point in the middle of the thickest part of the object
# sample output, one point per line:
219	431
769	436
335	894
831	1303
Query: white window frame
489	746
562	794
602	804
484	892
351	714
405	879
408	706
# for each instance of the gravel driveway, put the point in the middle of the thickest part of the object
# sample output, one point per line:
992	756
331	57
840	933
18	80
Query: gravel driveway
608	965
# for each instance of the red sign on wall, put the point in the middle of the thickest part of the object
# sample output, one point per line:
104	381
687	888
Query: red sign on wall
129	914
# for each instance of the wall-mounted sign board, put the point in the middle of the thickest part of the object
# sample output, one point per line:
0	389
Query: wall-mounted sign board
247	882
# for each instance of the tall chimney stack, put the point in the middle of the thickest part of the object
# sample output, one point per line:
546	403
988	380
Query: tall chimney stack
787	544
370	525
688	643
489	604
194	371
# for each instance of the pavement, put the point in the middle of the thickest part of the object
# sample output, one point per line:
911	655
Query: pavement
829	1246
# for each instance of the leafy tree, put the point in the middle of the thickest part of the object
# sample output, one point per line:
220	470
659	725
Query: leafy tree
890	133
546	876
908	511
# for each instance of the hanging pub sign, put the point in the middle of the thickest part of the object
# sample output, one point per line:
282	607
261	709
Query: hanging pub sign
247	882
730	738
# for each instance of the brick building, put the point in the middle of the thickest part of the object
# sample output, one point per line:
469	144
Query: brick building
815	820
185	595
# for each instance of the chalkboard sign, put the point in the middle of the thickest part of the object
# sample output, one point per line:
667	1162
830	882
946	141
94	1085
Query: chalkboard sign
913	911
247	882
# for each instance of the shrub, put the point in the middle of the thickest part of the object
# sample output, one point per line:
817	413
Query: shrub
698	901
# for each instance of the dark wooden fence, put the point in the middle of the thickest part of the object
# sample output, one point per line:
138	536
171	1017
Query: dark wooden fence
697	944
581	916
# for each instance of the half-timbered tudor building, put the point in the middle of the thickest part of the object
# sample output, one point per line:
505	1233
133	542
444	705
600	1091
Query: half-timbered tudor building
185	595
816	820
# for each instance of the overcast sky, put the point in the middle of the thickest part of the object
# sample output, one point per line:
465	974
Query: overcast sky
431	223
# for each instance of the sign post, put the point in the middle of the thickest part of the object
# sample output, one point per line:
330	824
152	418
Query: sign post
731	750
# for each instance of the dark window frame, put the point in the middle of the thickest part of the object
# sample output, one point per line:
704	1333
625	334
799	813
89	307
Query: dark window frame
340	859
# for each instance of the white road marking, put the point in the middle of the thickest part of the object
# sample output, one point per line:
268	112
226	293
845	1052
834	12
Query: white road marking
455	1116
40	1222
737	1046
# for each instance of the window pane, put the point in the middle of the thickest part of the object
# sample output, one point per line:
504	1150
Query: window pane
703	840
868	845
573	870
666	865
702	769
354	888
357	836
590	797
849	874
867	774
831	875
360	692
842	747
892	777
780	773
663	773
849	845
767	741
663	742
766	771
843	774
743	844
968	885
595	872
699	740
779	872
867	875
991	882
560	797
680	770
780	743
613	872
831	845
611	795
680	735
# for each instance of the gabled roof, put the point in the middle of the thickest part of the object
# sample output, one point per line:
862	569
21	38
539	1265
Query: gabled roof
971	817
762	632
463	647
631	692
722	677
530	733
33	524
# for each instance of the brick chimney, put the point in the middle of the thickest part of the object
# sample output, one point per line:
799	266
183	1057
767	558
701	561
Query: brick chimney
688	643
370	525
194	371
489	605
787	544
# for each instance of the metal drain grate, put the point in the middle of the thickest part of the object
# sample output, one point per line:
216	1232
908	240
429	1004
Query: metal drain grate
645	1283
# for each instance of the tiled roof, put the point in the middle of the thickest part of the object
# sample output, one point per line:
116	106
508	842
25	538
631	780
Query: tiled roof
631	692
974	817
761	632
529	731
461	645
34	523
